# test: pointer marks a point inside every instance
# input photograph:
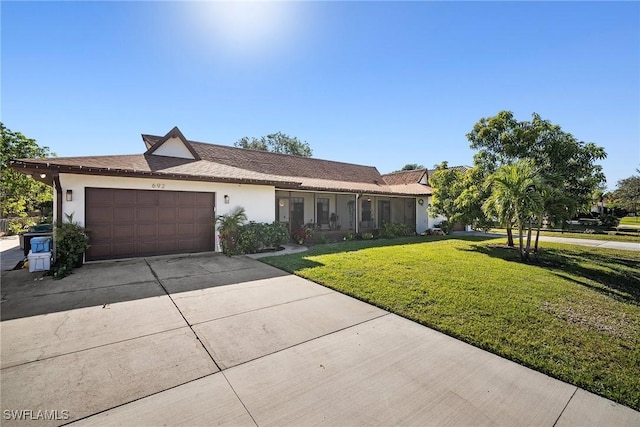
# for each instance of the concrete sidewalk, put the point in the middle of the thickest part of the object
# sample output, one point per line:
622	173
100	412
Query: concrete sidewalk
605	244
208	340
10	252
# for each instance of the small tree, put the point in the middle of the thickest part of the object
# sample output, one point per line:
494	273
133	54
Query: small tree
20	194
228	225
515	193
447	187
469	202
627	194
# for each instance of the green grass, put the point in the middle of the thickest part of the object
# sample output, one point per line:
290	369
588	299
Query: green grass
630	220
626	237
574	316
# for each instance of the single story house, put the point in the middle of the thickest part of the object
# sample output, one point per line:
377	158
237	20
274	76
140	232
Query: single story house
165	200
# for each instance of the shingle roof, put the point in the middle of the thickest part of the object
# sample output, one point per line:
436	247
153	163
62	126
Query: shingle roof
148	164
232	164
404	177
281	164
461	168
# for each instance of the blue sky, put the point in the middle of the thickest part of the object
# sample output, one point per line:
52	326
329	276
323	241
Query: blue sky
375	83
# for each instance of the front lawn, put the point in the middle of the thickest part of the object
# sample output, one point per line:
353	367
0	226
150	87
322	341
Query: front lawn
575	316
630	220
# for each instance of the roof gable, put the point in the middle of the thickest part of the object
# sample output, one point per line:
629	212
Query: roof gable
173	144
418	176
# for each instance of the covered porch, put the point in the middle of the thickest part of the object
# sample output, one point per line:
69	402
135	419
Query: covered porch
336	214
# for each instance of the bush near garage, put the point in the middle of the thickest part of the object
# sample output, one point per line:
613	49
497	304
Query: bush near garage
259	236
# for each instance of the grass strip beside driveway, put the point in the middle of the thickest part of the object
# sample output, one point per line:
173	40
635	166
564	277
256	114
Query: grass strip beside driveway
575	315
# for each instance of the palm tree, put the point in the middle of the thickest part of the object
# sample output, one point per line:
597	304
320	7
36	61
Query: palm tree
228	225
499	206
515	197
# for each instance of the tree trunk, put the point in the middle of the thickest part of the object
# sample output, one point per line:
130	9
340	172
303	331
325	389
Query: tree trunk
509	236
529	239
535	250
520	231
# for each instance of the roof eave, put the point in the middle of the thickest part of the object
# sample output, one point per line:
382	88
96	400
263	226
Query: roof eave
25	167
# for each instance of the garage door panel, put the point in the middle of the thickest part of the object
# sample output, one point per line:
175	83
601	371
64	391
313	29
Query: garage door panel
146	231
167	215
186	230
186	199
203	199
185	214
122	232
166	246
204	229
145	247
131	223
103	214
147	214
146	198
100	251
121	197
202	214
126	249
99	197
167	198
123	214
99	232
184	244
167	230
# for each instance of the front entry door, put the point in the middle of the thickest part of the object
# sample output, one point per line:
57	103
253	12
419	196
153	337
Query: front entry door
297	213
384	212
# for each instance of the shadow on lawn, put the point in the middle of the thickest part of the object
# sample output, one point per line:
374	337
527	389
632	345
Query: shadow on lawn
617	276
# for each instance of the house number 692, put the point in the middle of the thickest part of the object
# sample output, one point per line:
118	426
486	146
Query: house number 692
157	185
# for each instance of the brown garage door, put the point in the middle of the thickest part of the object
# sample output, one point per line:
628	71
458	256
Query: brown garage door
135	223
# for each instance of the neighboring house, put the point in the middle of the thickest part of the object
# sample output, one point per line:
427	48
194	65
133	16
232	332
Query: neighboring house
165	200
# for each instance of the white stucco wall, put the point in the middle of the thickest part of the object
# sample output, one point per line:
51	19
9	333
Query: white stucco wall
257	200
422	219
173	147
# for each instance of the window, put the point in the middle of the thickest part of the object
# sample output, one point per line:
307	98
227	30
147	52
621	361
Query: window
366	210
322	212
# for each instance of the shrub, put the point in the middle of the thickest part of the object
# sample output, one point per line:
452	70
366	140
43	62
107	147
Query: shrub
398	229
228	225
71	240
254	237
277	234
609	221
17	225
445	227
321	239
301	235
367	236
249	238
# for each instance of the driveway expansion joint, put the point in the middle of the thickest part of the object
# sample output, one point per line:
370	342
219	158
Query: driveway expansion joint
565	406
260	308
94	347
181	314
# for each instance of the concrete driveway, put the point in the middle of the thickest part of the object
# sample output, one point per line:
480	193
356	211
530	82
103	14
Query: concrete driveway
208	340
